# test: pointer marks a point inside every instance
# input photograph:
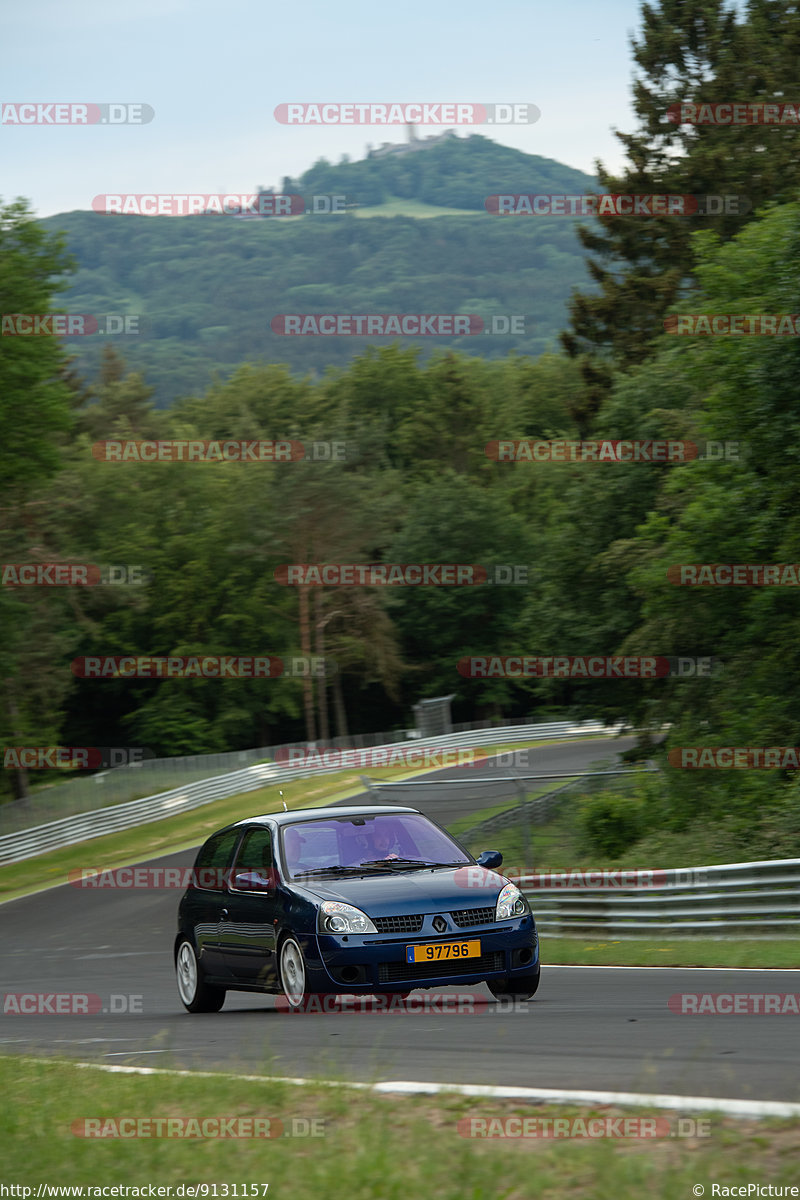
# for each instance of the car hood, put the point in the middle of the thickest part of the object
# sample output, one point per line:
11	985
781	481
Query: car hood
425	891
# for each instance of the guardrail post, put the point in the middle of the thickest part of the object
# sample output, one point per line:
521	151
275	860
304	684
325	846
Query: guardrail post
525	825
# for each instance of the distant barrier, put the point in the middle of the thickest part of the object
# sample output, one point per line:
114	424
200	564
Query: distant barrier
27	843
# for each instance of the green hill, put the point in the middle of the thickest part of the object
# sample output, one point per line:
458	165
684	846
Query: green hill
447	171
208	286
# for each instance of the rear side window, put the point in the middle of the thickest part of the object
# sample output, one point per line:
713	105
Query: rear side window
255	854
256	851
211	865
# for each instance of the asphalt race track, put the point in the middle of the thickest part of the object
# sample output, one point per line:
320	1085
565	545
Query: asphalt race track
588	1027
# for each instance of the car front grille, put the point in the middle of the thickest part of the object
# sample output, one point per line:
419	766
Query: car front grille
465	917
396	971
407	924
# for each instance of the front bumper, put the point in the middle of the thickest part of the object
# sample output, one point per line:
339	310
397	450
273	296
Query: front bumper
356	963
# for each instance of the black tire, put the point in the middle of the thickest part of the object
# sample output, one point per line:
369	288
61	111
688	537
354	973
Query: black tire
196	995
522	987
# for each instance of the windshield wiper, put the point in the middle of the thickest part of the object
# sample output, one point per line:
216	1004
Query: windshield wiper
375	864
329	871
408	862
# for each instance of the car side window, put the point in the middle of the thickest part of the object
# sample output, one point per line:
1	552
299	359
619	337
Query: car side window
255	855
210	868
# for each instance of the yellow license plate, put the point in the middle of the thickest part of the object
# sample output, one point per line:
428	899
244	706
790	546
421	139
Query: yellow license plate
442	951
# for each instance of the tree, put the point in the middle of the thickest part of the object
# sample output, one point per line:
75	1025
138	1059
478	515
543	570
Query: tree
35	403
327	513
689	51
739	511
453	519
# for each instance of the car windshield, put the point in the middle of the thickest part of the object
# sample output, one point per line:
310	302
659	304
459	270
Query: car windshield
350	843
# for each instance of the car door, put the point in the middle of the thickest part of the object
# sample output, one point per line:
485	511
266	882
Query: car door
208	899
247	929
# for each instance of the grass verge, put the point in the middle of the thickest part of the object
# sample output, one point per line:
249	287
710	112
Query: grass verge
367	1145
672	952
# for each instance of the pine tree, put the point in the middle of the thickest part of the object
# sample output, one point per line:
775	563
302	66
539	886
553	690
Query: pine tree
695	51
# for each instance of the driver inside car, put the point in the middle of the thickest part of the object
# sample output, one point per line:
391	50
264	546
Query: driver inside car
384	841
295	849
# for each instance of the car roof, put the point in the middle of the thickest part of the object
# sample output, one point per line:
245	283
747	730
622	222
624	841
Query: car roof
305	814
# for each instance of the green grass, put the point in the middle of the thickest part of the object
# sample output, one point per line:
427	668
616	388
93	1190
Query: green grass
552	845
372	1145
465	824
669	951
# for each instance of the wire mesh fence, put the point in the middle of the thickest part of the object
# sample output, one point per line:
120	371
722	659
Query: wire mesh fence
105	789
534	820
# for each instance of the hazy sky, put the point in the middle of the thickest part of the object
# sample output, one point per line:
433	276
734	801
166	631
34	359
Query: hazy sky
214	72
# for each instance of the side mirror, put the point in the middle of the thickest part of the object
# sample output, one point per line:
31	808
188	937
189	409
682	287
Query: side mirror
490	860
254	881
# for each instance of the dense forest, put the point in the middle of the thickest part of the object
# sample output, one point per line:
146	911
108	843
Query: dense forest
416	484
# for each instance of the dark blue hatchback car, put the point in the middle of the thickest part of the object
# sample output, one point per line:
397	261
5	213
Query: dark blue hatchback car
377	900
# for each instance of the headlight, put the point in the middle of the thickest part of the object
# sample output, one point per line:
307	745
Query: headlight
511	903
335	917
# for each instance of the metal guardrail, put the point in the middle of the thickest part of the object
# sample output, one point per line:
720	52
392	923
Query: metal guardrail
721	901
85	792
27	843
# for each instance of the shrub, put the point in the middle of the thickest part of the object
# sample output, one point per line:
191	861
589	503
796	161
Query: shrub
609	822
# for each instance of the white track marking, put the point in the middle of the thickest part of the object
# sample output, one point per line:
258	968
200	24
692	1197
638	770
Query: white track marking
703	1104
